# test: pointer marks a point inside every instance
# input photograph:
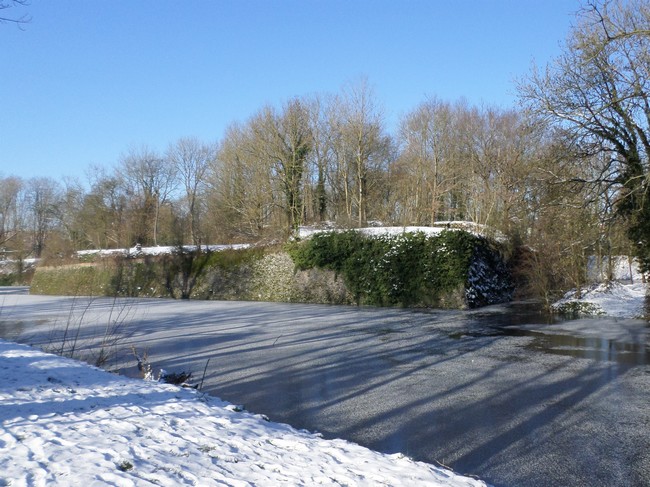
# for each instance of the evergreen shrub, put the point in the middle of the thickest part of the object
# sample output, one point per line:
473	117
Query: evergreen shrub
409	269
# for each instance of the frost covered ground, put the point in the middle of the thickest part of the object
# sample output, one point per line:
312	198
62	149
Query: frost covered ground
611	299
622	297
66	423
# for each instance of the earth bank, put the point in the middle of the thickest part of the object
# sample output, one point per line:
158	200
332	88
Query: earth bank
454	269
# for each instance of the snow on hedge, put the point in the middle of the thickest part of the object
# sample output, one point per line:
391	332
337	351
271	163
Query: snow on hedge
474	228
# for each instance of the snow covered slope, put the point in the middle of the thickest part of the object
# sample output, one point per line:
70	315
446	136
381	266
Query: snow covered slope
66	423
624	296
605	299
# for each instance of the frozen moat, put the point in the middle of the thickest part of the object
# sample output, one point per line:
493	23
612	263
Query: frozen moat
495	392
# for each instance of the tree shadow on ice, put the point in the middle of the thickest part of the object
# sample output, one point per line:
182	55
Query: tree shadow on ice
437	386
437	399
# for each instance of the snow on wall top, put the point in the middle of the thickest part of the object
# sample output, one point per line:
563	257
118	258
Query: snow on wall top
159	250
474	228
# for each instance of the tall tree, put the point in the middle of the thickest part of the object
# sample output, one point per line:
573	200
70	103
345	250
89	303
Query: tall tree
43	200
191	159
10	221
361	149
599	89
500	149
102	213
150	179
71	201
241	194
286	140
427	169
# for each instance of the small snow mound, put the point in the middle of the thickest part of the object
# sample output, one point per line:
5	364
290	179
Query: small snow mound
612	299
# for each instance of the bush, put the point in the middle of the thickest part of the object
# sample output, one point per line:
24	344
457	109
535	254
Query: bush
409	269
577	309
79	280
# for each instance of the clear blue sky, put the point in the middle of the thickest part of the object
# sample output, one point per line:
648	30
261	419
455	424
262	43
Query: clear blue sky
87	79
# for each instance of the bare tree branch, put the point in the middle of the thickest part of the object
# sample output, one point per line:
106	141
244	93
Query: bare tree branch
19	21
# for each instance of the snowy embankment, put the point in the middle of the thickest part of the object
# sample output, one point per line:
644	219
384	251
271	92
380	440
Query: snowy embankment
624	296
66	423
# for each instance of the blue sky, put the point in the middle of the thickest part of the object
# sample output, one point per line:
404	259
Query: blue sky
87	79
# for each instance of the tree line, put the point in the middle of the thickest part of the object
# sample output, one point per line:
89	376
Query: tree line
562	176
318	160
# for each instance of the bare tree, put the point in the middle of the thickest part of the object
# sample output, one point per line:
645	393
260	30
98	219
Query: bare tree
320	158
285	140
361	149
21	19
10	221
599	89
242	198
562	230
500	150
427	169
71	201
43	200
150	179
192	160
102	214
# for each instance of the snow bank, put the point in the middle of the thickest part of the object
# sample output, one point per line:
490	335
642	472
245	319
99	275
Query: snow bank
66	423
612	299
624	296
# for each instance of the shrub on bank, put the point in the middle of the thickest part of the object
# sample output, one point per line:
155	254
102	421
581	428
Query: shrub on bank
77	280
408	269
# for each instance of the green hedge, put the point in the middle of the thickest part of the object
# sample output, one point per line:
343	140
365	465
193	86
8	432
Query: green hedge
177	275
73	280
409	269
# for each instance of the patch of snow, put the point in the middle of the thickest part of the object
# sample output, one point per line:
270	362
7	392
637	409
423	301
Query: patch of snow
475	228
66	423
8	266
615	299
623	268
160	250
378	231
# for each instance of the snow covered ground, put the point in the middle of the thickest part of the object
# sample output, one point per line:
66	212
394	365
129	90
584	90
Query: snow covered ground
66	423
614	299
622	297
